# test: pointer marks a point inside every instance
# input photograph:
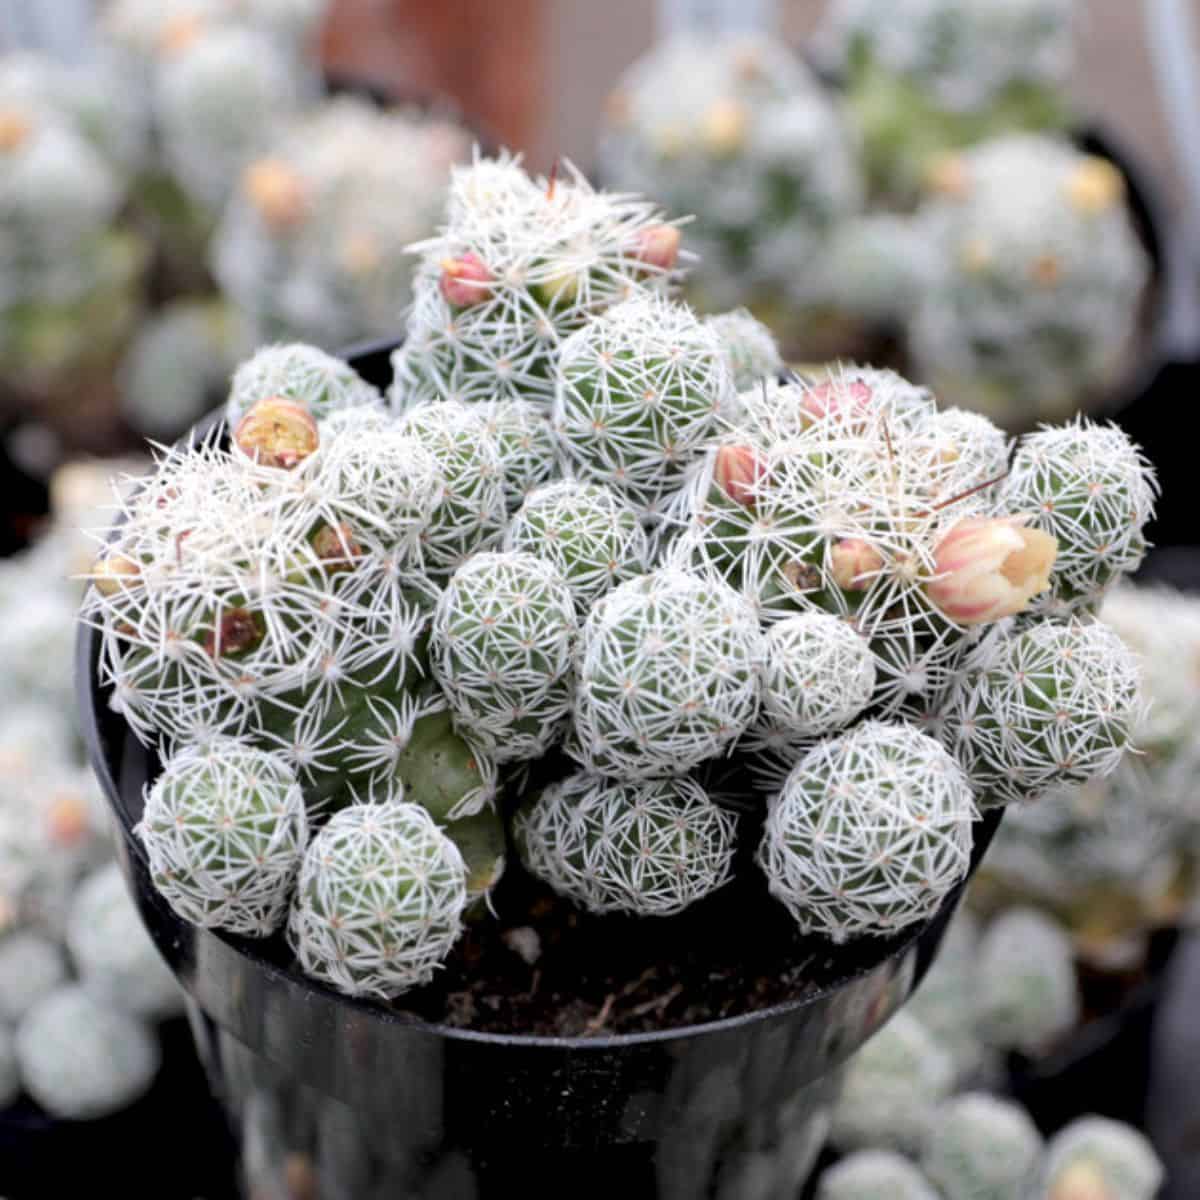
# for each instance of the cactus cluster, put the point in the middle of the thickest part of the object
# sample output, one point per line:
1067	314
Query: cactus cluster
313	243
922	76
914	1122
68	273
737	130
82	986
565	577
1035	302
1000	986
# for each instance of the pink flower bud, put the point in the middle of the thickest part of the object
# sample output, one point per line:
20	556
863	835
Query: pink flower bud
465	280
658	246
987	568
738	472
853	563
835	397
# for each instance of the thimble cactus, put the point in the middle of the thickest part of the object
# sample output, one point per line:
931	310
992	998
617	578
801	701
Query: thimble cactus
529	455
225	828
379	900
590	534
113	953
1052	704
1027	993
874	1175
668	675
471	512
982	1147
80	1059
639	392
735	129
650	848
750	347
923	75
520	265
501	647
1036	300
1094	1158
204	90
296	371
892	1090
31	967
820	674
1091	488
871	832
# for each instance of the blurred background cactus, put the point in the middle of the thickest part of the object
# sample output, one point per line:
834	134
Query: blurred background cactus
82	989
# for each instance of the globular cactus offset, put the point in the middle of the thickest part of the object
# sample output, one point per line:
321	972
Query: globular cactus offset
379	900
1027	993
225	829
1092	490
892	1090
81	1059
649	848
668	675
639	393
924	75
1053	704
472	509
870	833
1094	1158
297	371
590	534
736	129
874	1175
520	265
750	347
1034	307
501	647
984	1148
529	454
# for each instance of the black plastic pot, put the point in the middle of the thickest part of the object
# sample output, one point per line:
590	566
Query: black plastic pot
353	1099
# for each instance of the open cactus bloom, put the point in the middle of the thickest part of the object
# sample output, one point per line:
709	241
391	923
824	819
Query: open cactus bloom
571	570
989	568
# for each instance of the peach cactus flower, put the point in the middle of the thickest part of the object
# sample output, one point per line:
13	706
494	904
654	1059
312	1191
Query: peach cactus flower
986	568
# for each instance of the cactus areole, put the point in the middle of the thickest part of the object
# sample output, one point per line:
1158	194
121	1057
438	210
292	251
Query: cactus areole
430	820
